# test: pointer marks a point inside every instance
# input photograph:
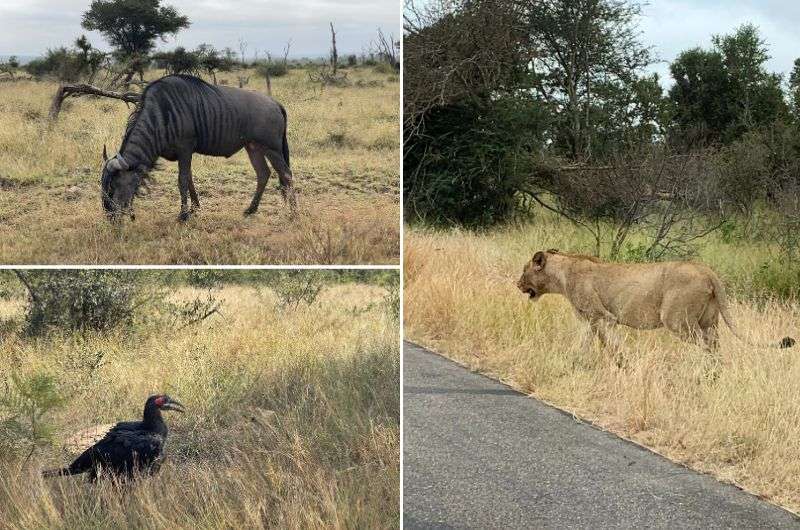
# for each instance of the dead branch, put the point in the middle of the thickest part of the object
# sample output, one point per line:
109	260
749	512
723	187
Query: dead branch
334	53
213	311
75	90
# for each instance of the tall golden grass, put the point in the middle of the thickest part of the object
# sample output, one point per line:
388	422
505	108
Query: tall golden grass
292	418
345	156
461	300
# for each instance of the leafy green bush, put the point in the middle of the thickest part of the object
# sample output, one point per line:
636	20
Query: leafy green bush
179	61
23	405
296	287
80	300
68	64
273	68
777	279
210	278
465	164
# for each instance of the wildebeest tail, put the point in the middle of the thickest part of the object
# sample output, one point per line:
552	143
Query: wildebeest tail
722	301
285	147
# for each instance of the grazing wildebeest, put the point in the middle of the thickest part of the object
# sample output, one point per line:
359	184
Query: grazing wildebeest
179	115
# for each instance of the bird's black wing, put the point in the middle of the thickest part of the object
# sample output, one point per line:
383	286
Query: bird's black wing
126	447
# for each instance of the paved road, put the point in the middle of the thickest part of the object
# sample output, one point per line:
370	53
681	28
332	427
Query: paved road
480	455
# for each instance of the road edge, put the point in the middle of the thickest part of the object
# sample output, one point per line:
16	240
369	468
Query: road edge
578	419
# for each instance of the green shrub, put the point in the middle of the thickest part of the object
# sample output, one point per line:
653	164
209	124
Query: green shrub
295	287
23	405
179	61
465	164
273	68
80	300
68	64
777	278
384	68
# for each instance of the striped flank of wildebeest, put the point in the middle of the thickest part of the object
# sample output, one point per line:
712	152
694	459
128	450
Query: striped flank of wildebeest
179	115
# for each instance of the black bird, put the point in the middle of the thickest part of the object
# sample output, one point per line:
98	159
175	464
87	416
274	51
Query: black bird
129	447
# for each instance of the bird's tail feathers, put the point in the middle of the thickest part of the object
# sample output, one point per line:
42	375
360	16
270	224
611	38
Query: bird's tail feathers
48	473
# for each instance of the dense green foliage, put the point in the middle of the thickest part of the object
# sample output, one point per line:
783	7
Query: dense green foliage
568	119
80	300
68	64
720	94
205	59
465	159
133	26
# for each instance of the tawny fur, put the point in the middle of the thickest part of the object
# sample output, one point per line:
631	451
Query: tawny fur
684	297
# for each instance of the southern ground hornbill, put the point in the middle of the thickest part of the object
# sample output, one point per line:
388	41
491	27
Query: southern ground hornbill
130	447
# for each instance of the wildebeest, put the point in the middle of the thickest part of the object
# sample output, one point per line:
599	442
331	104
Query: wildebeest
179	115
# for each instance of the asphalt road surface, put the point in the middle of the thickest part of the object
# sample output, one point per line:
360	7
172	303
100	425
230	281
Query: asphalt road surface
480	455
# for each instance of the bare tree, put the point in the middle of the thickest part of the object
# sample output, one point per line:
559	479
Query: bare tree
387	49
334	53
458	51
243	50
649	193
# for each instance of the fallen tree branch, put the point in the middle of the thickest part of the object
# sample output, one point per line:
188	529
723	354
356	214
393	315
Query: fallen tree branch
75	90
213	311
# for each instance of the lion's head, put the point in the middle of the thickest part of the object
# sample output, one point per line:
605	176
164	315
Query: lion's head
535	280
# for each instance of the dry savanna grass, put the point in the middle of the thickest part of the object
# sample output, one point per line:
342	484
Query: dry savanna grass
345	157
292	418
461	300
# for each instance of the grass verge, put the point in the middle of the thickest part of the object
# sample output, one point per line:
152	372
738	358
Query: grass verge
461	300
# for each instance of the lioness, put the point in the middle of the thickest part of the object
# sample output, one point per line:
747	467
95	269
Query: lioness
686	298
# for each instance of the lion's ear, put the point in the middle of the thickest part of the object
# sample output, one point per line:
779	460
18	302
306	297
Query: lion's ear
539	259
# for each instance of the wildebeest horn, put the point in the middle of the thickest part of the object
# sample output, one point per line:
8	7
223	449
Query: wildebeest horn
118	163
105	154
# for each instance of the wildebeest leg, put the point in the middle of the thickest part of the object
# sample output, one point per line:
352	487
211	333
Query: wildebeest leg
184	178
285	176
193	194
259	163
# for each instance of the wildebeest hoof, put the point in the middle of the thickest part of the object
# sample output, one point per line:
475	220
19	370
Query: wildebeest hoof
184	216
250	211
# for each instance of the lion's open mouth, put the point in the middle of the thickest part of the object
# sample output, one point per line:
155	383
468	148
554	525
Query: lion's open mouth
531	292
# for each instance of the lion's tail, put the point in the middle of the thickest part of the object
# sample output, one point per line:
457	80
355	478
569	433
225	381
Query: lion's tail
722	301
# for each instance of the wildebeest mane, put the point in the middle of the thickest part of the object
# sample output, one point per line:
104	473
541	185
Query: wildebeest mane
134	116
136	113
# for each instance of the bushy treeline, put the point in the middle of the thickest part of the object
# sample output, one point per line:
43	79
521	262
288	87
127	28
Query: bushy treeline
101	300
511	107
132	28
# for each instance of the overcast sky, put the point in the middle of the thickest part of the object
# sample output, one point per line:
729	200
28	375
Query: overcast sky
672	26
29	27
